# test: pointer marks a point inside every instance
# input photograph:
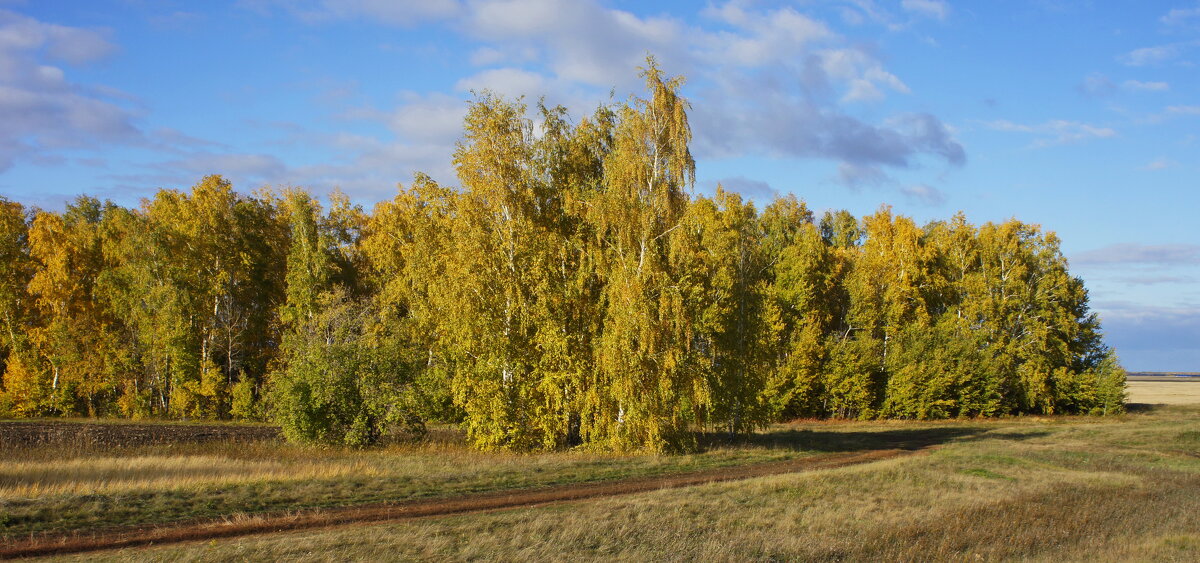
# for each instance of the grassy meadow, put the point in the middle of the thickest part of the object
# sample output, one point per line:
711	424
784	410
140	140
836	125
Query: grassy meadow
82	487
1025	488
1054	489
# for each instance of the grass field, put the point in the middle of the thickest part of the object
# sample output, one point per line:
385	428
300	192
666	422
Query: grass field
1033	488
1048	490
79	487
1165	392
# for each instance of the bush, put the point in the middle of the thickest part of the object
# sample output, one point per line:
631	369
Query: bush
345	380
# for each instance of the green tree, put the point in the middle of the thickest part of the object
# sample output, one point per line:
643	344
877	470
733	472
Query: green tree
346	379
570	292
77	358
645	395
718	255
511	273
407	245
16	268
343	383
807	301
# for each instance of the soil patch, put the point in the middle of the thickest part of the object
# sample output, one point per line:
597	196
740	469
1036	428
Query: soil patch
124	434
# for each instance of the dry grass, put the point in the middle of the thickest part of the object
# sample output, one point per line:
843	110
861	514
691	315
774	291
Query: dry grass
1164	392
75	486
1053	489
112	475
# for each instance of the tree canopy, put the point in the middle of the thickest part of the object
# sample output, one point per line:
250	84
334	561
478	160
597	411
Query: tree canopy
573	290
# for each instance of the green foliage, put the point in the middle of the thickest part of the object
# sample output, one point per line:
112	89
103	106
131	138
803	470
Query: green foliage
853	377
405	247
246	404
345	378
726	267
506	249
940	372
570	292
344	383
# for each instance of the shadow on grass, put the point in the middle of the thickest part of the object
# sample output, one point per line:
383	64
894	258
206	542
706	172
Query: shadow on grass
826	441
1143	408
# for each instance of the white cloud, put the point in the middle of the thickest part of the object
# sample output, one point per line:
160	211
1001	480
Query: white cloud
1153	337
1184	110
509	82
1005	125
1146	254
177	20
851	16
247	171
391	12
1140	86
860	11
580	41
751	189
424	127
403	12
1141	313
67	44
924	194
1148	56
860	176
1156	280
763	38
41	109
260	167
1160	163
1097	84
857	176
435	118
863	73
484	56
763	80
1055	132
1180	16
364	167
170	139
936	9
766	113
524	18
370	168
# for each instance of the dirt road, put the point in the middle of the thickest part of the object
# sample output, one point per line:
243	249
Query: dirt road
424	508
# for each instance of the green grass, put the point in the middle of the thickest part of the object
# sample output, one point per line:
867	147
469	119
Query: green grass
1050	489
82	488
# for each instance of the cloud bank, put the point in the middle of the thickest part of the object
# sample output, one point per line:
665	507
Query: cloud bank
42	110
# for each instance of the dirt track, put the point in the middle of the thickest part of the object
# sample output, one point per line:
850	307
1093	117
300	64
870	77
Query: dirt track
425	508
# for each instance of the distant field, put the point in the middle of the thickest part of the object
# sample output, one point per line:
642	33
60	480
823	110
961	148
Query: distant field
1165	391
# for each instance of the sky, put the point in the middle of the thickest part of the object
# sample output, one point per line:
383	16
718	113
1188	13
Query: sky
1080	116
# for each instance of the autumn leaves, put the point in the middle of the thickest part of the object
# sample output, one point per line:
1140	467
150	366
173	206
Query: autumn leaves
571	291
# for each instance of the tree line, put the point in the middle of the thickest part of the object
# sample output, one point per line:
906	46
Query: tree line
570	291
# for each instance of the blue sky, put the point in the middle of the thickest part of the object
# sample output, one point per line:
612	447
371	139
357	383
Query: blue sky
1080	116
